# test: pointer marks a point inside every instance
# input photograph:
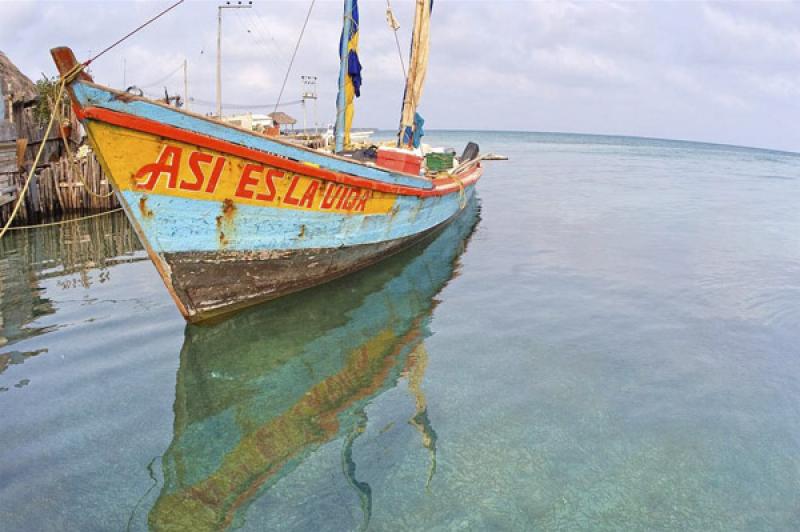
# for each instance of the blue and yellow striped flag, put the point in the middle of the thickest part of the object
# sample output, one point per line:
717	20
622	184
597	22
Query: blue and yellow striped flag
352	82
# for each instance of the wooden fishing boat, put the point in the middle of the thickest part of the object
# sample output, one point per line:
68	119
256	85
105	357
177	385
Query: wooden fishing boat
231	217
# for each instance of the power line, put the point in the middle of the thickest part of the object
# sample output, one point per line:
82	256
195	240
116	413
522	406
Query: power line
163	79
265	28
245	105
243	25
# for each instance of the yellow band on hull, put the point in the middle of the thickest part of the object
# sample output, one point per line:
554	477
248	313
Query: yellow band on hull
147	163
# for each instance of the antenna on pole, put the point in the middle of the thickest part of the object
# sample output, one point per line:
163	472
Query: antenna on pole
185	85
226	5
309	93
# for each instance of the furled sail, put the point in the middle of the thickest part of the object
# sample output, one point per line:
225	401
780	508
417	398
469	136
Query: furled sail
411	122
349	75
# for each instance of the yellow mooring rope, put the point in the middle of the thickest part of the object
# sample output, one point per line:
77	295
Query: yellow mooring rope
67	221
73	162
68	78
462	196
71	75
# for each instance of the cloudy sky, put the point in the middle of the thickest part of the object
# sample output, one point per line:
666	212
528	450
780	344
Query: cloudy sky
725	72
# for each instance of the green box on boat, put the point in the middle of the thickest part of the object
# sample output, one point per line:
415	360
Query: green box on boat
438	162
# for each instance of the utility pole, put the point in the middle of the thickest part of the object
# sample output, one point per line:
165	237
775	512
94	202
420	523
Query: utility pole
309	93
227	5
305	127
185	86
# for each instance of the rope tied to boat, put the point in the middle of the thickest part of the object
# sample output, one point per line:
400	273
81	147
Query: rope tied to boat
73	161
64	222
294	54
66	79
462	195
394	25
133	32
69	77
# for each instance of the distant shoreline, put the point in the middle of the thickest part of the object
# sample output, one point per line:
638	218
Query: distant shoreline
379	131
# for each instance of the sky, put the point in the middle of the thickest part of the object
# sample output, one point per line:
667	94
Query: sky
724	72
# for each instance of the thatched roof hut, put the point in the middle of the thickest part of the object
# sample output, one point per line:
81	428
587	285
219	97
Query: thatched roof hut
15	84
282	119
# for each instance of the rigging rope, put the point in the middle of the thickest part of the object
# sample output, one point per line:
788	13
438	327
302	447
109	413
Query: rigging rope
161	80
294	54
68	78
71	75
142	26
394	25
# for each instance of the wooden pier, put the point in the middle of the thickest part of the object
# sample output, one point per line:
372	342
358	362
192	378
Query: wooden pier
62	183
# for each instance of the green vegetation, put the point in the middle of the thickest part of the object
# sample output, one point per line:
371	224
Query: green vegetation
47	92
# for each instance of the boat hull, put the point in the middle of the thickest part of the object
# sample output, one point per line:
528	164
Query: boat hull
214	283
229	229
231	218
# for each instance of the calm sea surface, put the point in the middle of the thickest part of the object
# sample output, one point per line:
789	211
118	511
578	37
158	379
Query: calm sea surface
608	339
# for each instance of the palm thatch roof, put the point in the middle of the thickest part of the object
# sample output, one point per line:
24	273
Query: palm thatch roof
281	118
22	88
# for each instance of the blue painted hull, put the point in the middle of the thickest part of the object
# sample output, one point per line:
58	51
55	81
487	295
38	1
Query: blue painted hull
231	218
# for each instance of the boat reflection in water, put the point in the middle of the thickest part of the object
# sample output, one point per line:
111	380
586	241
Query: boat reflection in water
256	394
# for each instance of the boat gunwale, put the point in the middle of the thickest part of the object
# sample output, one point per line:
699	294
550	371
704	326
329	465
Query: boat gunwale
65	61
441	187
128	97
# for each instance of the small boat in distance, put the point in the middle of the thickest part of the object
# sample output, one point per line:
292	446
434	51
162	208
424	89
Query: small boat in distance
231	217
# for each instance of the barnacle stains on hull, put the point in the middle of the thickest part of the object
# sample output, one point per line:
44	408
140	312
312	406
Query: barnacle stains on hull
216	282
228	208
226	223
144	209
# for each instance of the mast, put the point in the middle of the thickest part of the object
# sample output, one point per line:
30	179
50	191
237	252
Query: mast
411	122
349	74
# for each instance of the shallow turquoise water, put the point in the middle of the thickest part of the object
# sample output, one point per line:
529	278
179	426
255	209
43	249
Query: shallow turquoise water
611	342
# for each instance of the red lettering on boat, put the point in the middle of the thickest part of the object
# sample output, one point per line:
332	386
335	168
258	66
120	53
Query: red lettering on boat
308	198
247	180
327	201
215	173
291	200
351	197
270	184
195	158
344	195
169	162
362	201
